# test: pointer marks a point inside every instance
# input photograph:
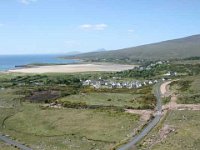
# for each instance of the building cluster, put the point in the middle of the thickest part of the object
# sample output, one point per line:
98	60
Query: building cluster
100	83
150	66
170	73
117	84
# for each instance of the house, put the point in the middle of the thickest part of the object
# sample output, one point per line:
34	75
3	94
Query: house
106	83
93	82
173	73
159	62
148	68
130	86
114	85
102	82
155	81
39	83
141	68
87	82
138	85
97	86
150	82
119	85
170	73
167	74
152	65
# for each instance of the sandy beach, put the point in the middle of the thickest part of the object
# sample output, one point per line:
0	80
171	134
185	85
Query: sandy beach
75	68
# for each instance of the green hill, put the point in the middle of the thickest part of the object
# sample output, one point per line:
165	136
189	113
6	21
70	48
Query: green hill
171	49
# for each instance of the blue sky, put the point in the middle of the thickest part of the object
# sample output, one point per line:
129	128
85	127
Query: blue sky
62	26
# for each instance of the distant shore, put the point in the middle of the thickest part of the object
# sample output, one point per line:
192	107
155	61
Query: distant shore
74	68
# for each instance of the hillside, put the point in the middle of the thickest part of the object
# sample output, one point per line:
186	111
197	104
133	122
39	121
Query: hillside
176	48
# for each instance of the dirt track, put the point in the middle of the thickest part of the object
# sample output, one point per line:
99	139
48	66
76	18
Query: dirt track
164	88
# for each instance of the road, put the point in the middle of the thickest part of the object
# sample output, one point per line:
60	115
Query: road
151	124
13	143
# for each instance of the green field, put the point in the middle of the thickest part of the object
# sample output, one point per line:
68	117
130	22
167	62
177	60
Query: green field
64	128
24	117
9	98
107	99
69	128
185	135
187	90
9	104
178	129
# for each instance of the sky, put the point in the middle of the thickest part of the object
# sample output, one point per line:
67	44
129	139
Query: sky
65	26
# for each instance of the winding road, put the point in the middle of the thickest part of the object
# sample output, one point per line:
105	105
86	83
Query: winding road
151	124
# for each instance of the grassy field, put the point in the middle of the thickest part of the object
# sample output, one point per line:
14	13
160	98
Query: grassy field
184	136
178	130
141	98
9	98
9	104
66	128
69	128
188	90
106	99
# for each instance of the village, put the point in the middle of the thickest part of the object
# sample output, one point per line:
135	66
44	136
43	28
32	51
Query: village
131	84
100	83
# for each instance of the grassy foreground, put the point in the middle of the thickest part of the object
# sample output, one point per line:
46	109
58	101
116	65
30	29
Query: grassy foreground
181	132
23	118
69	128
186	135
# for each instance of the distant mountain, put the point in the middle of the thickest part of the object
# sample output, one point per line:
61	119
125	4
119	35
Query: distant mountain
176	48
100	50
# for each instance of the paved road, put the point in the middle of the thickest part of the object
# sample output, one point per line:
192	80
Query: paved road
13	143
151	124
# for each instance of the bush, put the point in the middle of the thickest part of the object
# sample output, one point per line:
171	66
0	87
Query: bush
193	99
184	85
69	104
166	100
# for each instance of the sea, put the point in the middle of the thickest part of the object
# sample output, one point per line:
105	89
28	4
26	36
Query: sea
8	62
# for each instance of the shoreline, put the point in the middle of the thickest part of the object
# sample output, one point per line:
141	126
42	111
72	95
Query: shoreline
74	68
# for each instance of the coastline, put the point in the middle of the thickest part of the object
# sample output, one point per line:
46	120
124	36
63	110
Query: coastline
74	68
12	62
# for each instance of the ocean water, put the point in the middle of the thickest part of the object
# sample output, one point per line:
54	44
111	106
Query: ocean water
11	61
